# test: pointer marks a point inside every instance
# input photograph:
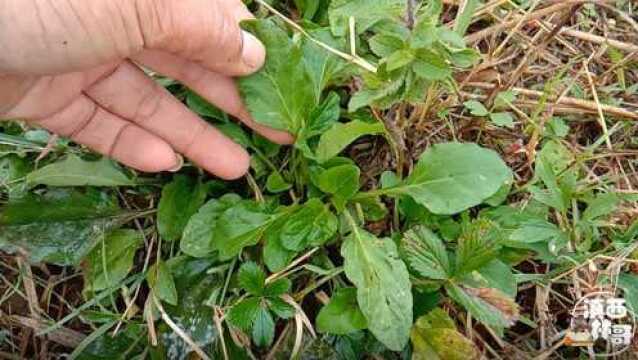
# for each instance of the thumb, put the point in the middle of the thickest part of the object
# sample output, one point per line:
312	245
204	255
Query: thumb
203	31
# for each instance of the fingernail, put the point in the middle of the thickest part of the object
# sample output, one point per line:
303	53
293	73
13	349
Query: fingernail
253	52
179	163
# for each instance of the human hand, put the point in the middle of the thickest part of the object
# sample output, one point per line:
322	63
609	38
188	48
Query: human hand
69	66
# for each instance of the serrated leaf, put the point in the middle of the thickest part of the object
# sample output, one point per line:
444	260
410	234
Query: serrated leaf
399	59
476	108
430	65
59	226
244	313
197	240
263	328
452	177
112	259
252	278
180	199
160	279
477	245
281	308
384	45
383	286
342	314
426	253
434	336
340	135
278	287
73	171
464	58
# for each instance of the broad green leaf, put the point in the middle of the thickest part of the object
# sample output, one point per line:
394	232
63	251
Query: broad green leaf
552	168
313	224
197	240
536	231
424	34
252	278
430	65
366	13
276	183
241	225
322	66
489	306
384	45
73	171
324	116
341	315
434	337
59	226
501	195
281	95
180	199
263	328
321	119
450	38
244	313
383	94
112	259
426	253
499	276
160	279
477	245
276	256
556	126
383	286
452	177
337	138
341	181
502	119
600	206
504	99
399	59
464	58
476	108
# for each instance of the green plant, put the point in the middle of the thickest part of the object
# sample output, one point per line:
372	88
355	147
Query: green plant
383	231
